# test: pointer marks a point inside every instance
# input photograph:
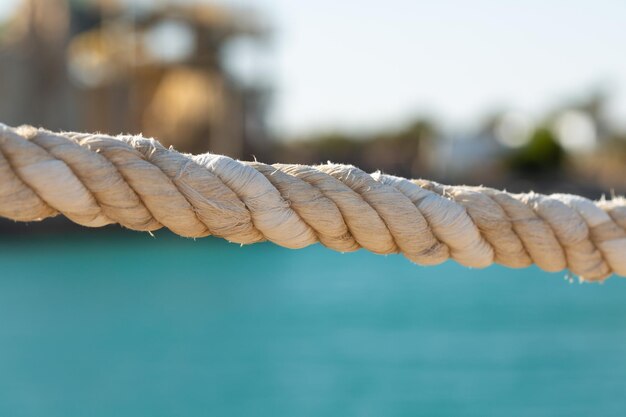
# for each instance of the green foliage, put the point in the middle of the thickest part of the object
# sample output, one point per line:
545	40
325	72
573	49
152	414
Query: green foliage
542	153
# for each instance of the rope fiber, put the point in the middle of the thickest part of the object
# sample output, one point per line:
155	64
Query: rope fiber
95	180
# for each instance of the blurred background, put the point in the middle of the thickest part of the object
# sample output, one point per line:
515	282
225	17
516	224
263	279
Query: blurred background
517	95
523	97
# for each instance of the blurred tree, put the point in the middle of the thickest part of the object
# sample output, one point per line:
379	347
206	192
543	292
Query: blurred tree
339	147
398	152
540	155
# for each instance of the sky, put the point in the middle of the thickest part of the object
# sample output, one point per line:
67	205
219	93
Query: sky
358	64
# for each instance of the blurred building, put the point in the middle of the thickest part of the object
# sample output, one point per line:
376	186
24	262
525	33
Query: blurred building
104	66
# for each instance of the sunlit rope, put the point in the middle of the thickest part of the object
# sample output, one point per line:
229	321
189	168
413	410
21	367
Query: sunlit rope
96	180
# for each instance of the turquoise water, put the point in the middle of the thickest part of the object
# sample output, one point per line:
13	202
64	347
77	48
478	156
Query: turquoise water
99	324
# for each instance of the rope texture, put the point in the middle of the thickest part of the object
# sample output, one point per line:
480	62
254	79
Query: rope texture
95	180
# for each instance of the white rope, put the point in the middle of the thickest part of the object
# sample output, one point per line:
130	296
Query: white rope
96	179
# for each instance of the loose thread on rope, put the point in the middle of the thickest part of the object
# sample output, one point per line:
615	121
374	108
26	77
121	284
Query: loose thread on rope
96	179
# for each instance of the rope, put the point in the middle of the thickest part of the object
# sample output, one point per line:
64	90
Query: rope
95	180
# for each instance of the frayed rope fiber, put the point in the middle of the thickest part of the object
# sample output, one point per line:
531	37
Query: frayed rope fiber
95	180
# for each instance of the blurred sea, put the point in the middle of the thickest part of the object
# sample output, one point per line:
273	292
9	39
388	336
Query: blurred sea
123	324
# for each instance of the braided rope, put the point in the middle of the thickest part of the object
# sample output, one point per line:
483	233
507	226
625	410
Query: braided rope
96	180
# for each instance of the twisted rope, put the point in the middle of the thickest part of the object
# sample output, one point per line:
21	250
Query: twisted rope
96	180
